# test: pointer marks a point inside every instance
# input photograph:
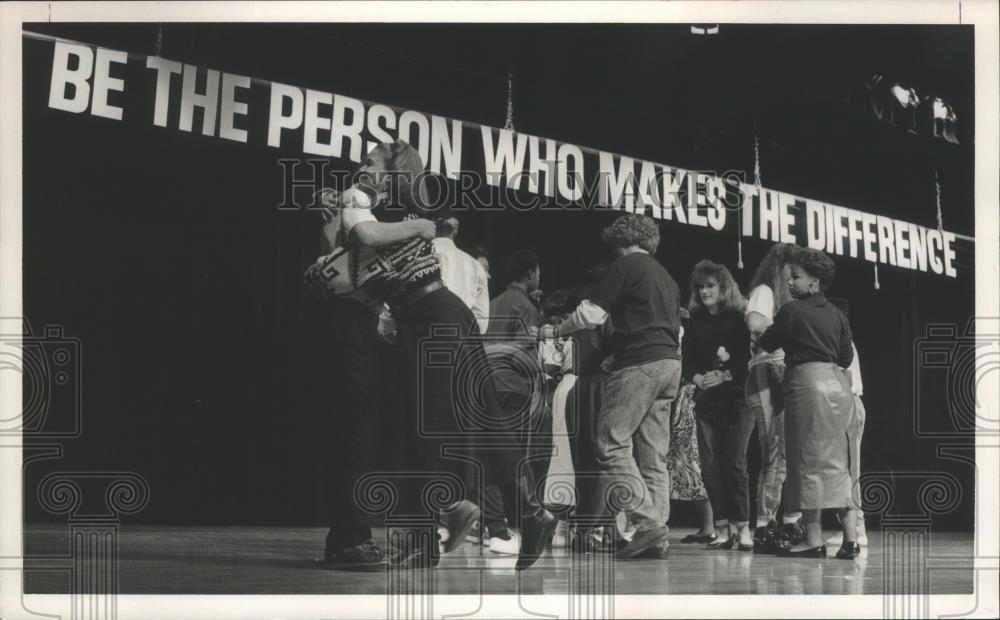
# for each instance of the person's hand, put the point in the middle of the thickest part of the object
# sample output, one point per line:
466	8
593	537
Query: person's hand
387	327
329	200
424	228
710	379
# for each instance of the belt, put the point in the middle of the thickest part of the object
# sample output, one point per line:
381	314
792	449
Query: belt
414	296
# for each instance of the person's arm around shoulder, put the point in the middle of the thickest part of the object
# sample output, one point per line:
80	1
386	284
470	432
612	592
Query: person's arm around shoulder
592	312
775	336
362	226
760	309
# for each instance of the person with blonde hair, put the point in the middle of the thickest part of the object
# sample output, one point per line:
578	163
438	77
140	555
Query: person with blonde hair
430	318
715	356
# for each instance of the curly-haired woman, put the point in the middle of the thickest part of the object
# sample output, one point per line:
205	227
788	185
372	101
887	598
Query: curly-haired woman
715	355
819	406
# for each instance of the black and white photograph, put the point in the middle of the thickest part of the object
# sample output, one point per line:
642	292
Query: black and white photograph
443	309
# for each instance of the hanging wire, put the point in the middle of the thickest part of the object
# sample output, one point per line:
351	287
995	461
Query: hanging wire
509	123
756	157
159	40
756	182
937	193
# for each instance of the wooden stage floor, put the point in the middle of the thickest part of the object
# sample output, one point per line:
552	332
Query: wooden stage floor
258	560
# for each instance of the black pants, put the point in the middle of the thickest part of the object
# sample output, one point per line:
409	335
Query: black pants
447	430
724	429
515	405
352	385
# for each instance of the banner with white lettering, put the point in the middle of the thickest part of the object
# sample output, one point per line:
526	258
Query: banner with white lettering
87	80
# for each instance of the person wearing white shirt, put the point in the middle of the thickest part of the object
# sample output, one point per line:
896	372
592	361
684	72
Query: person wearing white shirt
462	274
768	291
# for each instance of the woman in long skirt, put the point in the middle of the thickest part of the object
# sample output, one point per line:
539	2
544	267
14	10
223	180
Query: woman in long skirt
821	419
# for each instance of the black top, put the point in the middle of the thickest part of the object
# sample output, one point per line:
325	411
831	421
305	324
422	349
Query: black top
810	330
591	349
643	302
512	313
704	334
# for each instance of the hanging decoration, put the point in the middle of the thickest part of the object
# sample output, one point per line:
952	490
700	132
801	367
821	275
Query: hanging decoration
509	123
159	40
756	182
937	193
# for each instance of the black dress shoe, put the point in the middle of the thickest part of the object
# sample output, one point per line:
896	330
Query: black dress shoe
719	543
848	551
698	538
536	530
656	552
813	552
643	541
366	556
459	520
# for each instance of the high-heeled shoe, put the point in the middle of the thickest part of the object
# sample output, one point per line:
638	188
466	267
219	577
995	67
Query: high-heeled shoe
814	552
849	551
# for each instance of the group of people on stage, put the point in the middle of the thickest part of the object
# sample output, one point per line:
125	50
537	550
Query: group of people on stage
579	407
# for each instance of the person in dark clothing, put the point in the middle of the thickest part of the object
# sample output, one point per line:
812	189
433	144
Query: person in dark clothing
642	302
821	423
433	324
350	372
715	356
352	363
512	351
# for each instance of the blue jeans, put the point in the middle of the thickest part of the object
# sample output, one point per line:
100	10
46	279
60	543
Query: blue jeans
635	414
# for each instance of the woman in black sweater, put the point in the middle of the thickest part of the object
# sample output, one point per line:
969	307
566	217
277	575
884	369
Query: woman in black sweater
715	356
821	417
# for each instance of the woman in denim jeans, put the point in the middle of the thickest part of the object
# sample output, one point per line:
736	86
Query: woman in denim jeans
765	399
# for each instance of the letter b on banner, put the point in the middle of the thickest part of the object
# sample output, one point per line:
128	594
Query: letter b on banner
78	79
63	76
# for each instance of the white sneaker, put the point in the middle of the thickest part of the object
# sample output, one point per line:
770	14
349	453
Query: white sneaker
560	539
507	545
